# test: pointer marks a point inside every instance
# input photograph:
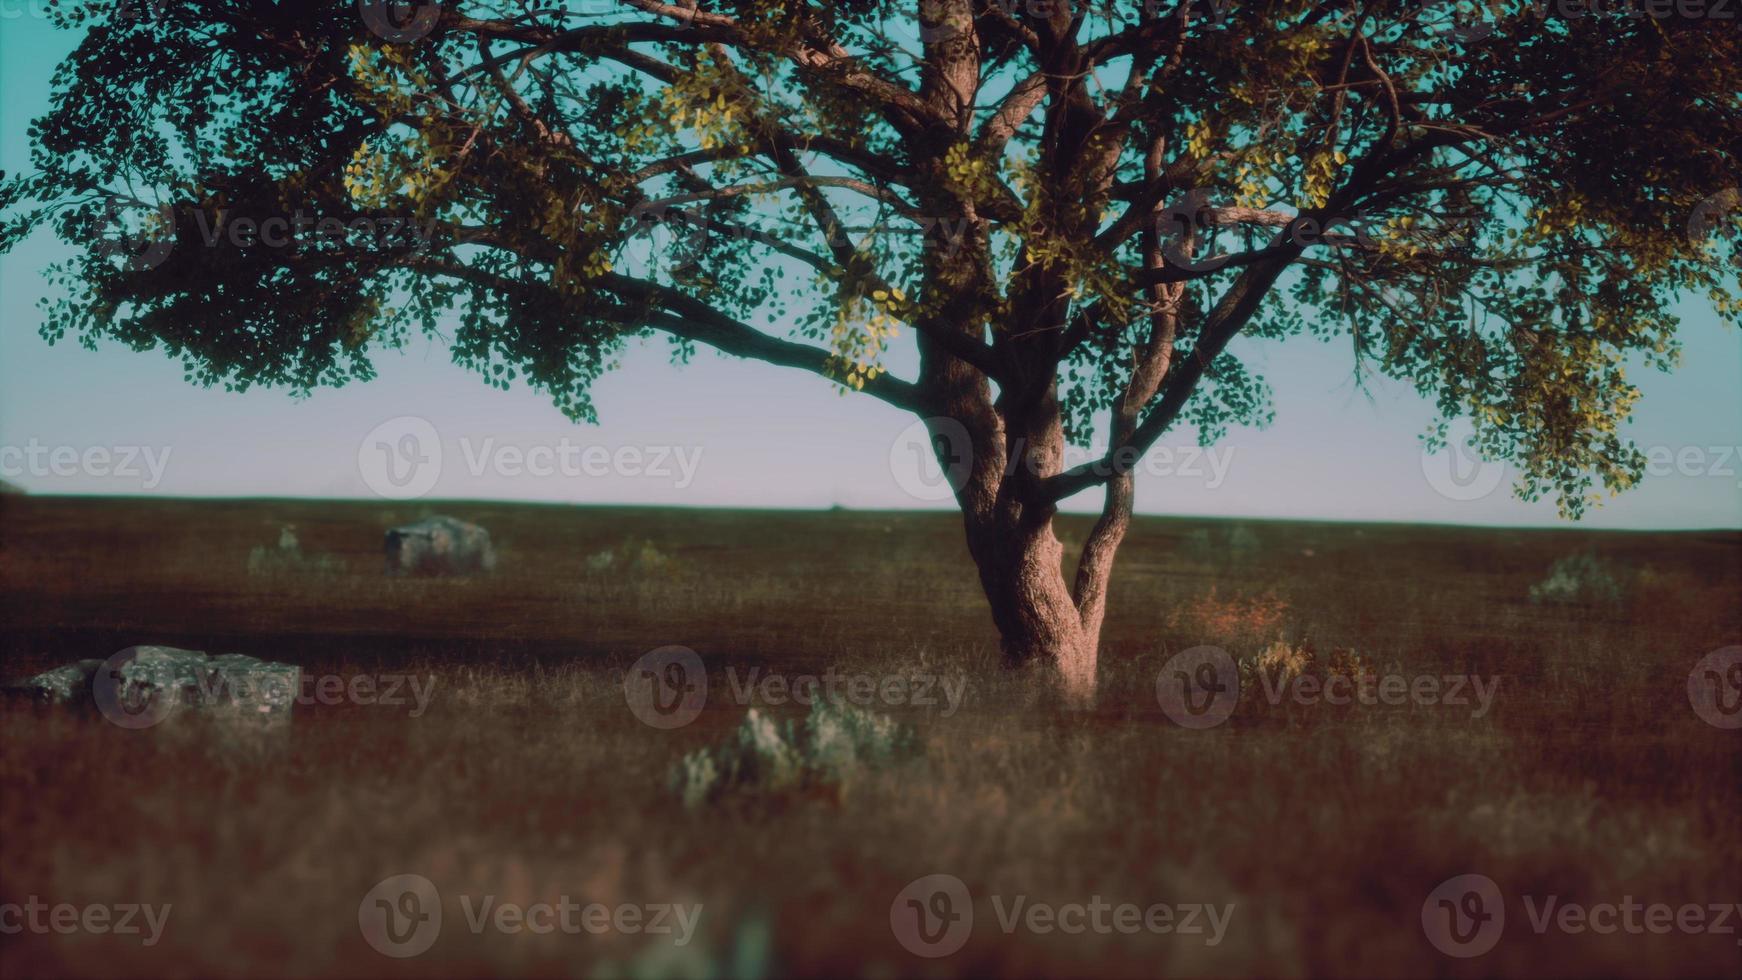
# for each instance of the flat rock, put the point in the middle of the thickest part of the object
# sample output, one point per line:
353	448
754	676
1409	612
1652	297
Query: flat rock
149	682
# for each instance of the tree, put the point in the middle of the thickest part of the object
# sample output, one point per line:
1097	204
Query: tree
1070	206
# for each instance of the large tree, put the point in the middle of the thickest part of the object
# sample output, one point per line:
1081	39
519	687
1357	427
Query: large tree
1070	207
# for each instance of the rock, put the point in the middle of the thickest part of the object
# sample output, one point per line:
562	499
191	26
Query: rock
439	546
143	685
62	684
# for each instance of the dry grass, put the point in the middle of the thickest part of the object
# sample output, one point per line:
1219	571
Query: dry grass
528	777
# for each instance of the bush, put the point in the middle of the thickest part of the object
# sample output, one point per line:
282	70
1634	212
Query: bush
1282	662
287	558
630	556
1581	579
765	756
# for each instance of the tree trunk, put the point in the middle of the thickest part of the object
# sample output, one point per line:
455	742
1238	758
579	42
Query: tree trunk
1022	574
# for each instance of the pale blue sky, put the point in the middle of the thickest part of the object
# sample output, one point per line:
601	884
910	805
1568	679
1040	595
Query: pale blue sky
755	435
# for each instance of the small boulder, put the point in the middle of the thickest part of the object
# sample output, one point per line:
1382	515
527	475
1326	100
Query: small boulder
439	546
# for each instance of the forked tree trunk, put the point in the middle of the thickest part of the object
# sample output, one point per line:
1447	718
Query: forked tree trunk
1002	448
1043	622
1038	620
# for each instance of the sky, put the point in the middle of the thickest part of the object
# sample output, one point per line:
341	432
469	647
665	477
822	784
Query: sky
727	432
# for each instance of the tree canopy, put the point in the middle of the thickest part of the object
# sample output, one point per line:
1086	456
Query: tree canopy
1072	203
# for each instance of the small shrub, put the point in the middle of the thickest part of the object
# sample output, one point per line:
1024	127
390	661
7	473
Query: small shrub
1243	542
763	756
1288	661
631	556
287	558
1282	662
1579	579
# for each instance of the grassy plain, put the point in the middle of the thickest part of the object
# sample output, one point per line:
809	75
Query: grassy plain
527	777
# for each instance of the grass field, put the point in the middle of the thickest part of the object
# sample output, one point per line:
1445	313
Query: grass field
527	777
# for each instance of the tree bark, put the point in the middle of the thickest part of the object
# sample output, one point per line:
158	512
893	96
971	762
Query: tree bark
1010	536
1040	626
